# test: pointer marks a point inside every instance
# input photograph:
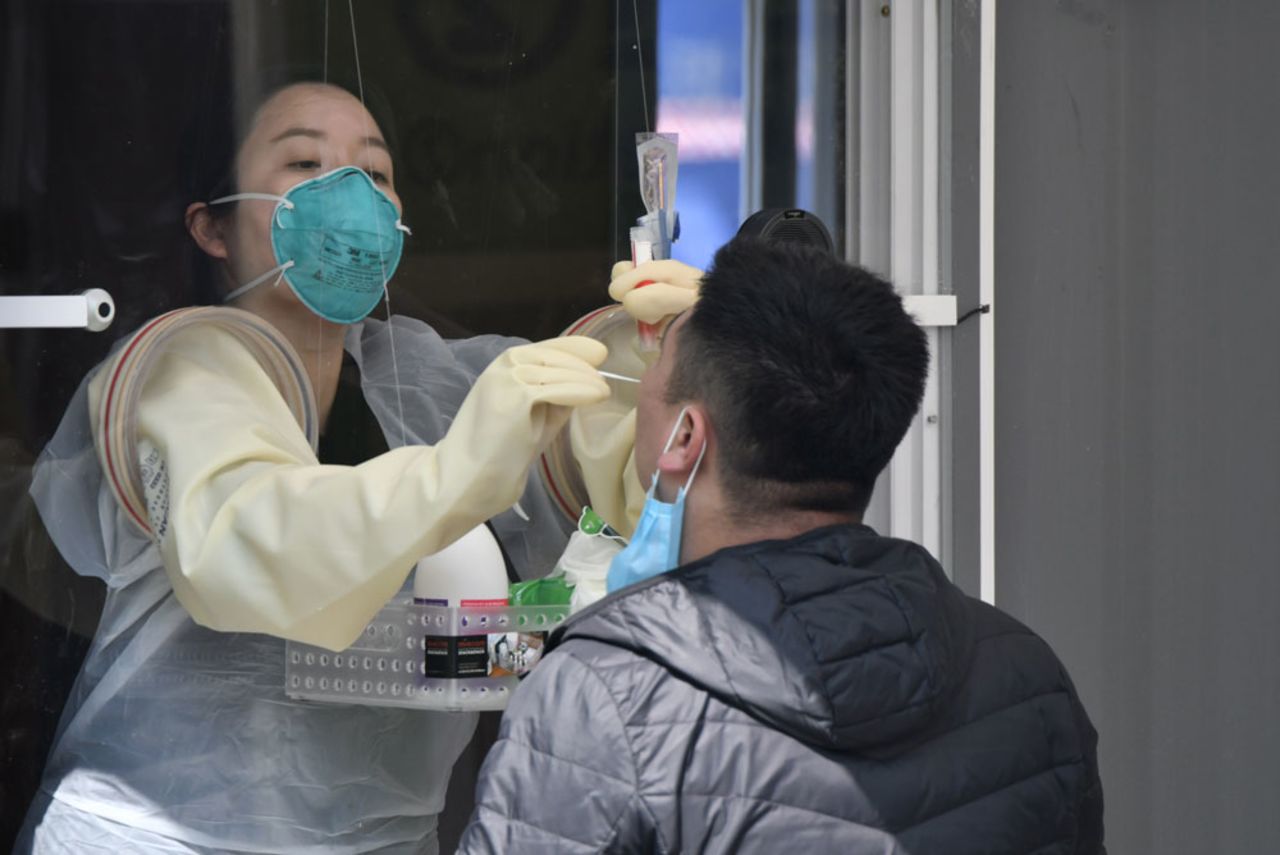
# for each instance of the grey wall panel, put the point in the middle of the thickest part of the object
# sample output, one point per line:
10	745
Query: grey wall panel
1138	395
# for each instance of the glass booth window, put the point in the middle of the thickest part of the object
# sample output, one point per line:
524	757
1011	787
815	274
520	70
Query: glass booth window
179	155
700	98
756	93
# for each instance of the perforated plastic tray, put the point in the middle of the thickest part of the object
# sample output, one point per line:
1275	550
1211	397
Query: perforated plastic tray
386	666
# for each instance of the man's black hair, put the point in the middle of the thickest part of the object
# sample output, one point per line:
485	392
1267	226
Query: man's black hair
811	371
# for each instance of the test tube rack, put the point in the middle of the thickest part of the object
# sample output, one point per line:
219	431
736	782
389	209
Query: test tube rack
386	666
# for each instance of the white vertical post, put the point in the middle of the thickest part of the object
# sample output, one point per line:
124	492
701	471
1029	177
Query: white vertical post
986	291
915	475
904	237
897	197
931	409
870	125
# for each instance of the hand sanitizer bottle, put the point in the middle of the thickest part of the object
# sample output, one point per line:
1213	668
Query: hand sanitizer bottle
470	572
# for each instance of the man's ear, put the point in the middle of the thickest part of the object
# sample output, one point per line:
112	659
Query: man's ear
692	435
206	230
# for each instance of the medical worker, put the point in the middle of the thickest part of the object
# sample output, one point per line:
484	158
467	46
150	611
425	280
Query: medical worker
178	736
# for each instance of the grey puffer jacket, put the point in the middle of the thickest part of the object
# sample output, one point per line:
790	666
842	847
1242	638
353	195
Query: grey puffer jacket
830	693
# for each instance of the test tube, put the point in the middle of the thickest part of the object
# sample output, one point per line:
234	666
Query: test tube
642	251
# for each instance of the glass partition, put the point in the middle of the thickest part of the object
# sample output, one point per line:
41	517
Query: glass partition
506	133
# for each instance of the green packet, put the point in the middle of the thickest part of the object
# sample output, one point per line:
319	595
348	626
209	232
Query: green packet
553	591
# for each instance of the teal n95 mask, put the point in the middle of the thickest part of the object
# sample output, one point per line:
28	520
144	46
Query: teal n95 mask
337	239
655	546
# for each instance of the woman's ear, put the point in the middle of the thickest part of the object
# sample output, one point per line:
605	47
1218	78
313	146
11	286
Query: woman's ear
206	230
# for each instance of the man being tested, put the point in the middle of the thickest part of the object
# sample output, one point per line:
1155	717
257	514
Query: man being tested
799	683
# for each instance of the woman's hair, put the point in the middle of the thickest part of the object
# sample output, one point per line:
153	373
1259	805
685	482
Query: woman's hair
213	140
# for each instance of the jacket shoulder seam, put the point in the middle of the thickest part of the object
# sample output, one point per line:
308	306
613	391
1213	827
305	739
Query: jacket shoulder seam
776	803
996	711
553	756
482	808
1053	767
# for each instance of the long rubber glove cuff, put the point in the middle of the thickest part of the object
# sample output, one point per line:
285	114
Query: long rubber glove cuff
603	443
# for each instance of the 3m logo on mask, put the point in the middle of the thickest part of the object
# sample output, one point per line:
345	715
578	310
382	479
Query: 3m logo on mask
348	268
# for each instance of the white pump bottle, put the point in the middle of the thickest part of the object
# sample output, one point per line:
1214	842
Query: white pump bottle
468	572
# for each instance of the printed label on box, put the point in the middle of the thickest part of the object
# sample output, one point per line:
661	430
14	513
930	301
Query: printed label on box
451	657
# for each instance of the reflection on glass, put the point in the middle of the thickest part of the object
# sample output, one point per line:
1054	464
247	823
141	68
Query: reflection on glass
498	124
503	125
730	76
700	98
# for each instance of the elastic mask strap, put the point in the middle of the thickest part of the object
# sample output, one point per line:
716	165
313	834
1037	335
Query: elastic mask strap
262	197
675	429
249	286
402	227
696	464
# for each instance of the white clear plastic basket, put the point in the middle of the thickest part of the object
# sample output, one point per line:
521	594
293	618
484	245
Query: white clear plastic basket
386	666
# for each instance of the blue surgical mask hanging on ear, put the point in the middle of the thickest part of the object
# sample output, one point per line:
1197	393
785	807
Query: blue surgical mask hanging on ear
655	546
337	239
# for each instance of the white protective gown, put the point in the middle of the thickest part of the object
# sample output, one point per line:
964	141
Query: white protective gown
179	738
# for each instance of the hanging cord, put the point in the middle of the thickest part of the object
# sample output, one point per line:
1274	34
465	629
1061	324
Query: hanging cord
644	97
976	310
386	292
320	346
326	42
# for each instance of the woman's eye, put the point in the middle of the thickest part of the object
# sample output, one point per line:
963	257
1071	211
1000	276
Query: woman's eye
305	164
378	177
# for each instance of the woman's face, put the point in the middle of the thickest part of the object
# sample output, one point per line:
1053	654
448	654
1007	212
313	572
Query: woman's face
302	131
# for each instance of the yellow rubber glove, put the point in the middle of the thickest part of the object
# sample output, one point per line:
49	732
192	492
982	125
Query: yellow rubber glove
603	441
262	538
673	288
